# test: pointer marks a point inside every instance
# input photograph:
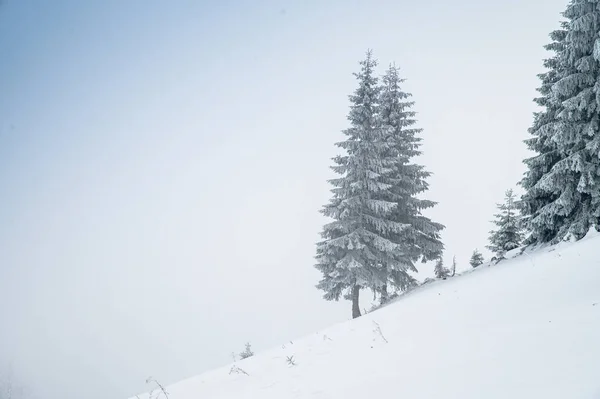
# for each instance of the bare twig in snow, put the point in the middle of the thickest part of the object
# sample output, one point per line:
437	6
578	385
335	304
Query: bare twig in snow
530	258
378	331
162	389
237	370
290	360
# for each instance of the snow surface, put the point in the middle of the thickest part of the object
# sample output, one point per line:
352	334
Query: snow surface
528	327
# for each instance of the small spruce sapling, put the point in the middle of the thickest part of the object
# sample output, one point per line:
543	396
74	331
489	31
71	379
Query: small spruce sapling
476	259
440	271
508	235
247	352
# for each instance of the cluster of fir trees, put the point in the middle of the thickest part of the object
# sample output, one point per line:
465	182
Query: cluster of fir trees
562	181
378	231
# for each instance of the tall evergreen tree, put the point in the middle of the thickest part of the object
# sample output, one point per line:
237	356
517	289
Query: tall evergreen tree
571	186
360	245
538	200
579	134
420	239
508	236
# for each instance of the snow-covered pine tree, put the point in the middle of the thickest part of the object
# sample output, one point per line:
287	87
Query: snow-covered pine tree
476	259
420	240
508	236
579	132
539	200
563	195
440	271
359	245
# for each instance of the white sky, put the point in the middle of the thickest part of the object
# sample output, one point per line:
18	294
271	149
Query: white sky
162	165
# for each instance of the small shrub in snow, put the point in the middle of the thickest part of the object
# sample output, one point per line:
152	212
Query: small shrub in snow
247	352
158	390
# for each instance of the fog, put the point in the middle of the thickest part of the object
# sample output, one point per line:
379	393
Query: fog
162	165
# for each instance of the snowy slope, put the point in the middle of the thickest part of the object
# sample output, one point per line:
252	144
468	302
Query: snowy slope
528	327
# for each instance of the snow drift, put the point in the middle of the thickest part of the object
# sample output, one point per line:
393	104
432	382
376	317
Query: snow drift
528	327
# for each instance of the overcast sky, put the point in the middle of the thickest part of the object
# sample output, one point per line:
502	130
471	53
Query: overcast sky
162	164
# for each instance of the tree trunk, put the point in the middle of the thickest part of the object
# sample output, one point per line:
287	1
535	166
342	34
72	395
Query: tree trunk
384	295
355	305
